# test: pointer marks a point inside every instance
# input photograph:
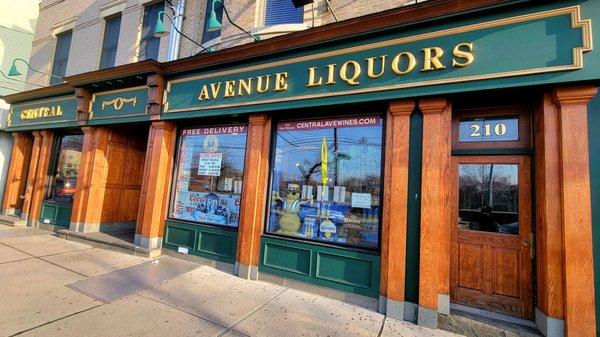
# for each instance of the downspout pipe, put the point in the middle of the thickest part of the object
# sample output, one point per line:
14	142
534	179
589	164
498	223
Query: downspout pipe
174	37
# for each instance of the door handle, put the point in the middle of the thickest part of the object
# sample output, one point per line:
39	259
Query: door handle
525	243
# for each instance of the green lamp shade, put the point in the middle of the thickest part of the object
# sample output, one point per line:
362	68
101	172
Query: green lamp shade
213	22
13	71
159	29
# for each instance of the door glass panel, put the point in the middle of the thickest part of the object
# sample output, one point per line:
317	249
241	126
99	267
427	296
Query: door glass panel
488	198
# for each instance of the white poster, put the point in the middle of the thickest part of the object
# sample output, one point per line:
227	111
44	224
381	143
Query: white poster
361	200
210	164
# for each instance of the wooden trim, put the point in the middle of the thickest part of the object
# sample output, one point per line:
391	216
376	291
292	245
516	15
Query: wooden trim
156	89
16	177
84	98
434	264
580	313
154	195
31	174
41	179
54	90
395	196
254	192
524	116
549	258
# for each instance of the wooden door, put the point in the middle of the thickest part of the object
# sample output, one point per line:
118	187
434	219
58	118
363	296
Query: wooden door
491	265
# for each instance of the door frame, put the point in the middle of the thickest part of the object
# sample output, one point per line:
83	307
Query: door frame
526	233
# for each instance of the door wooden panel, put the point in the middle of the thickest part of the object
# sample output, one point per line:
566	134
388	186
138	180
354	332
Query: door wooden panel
491	260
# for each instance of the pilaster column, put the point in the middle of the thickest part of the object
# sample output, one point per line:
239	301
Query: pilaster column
578	264
31	175
41	176
434	264
254	196
17	173
549	314
91	181
393	239
154	194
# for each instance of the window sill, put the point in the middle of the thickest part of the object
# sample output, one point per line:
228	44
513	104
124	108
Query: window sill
271	31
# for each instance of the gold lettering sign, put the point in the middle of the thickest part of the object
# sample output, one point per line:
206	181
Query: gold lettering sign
351	72
118	102
42	112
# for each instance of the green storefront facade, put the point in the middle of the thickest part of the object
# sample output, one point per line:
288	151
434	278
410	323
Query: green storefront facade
345	163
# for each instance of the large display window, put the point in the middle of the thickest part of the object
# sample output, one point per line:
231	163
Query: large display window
209	175
326	180
63	180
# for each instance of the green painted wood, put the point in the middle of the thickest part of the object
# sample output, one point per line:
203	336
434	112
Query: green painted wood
123	106
413	223
594	145
336	268
509	49
61	112
56	213
210	242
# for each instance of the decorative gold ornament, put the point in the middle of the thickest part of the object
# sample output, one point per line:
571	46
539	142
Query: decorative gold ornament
118	102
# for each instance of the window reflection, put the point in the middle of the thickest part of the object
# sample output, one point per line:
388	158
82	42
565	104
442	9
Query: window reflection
64	178
488	198
326	180
208	186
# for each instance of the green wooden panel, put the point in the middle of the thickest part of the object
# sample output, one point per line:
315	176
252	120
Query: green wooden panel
180	237
332	267
56	213
528	46
219	244
128	105
413	224
210	242
289	259
53	112
343	269
594	144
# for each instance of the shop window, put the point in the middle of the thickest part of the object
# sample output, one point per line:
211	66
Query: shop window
65	169
326	181
207	36
149	44
282	12
209	175
61	57
110	42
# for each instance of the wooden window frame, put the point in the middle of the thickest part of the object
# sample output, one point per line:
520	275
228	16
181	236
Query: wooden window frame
521	111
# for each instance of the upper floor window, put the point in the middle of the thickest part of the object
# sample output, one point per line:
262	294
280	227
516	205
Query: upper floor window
110	42
149	43
281	12
207	36
61	57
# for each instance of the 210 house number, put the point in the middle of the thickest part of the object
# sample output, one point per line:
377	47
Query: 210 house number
498	130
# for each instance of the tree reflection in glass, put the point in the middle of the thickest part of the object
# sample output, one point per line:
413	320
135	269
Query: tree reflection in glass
488	198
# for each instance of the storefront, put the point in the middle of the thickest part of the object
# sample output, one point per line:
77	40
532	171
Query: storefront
403	166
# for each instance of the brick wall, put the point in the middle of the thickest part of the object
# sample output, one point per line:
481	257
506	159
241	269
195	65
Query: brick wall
249	14
85	19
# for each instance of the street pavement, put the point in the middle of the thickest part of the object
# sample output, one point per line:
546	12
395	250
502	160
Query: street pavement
41	277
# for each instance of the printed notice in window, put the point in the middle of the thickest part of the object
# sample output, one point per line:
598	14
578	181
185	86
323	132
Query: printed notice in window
361	200
210	164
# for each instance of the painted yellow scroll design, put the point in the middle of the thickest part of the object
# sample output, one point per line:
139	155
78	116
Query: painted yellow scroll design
118	102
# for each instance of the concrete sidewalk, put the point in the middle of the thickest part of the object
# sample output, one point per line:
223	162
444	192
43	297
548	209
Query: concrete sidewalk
39	275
